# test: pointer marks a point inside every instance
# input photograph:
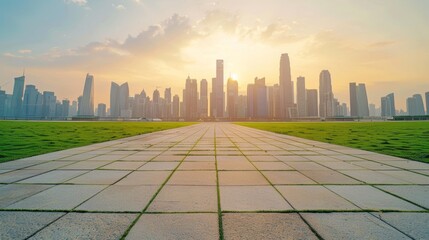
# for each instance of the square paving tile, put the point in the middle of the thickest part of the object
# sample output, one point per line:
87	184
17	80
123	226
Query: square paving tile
60	197
251	198
367	197
12	193
408	176
160	166
120	199
200	159
272	166
122	165
351	226
176	226
86	165
415	194
107	157
168	158
306	166
193	178
249	178
265	226
413	224
234	165
185	199
54	177
373	177
261	158
17	175
287	177
88	226
196	166
339	165
145	178
373	165
99	177
21	225
50	165
314	198
329	177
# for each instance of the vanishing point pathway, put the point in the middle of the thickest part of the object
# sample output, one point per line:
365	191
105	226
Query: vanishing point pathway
214	181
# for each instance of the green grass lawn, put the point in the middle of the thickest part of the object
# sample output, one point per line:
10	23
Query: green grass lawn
402	139
19	139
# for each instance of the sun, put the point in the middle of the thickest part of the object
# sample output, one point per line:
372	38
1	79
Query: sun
234	76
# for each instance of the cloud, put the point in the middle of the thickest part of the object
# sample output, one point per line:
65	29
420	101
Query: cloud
119	6
77	2
25	51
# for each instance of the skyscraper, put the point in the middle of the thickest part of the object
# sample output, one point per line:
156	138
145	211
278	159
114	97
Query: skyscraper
217	101
312	106
101	110
176	106
87	104
274	101
204	101
49	105
167	107
232	97
30	101
358	100
18	91
301	101
155	104
415	105
286	87
2	103
427	102
257	101
388	105
119	100
190	99
326	97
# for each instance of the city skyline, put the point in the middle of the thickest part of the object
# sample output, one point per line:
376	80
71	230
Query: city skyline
262	101
387	54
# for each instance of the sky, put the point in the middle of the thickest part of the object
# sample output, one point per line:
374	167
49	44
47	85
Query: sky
157	44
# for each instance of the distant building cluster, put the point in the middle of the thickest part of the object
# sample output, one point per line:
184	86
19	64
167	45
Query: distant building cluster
262	102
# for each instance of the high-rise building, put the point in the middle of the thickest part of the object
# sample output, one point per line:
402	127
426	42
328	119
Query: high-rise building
87	104
65	108
167	107
50	105
2	103
388	105
73	109
242	106
101	110
155	104
427	102
372	110
119	100
286	87
301	99
274	101
32	103
312	106
326	97
18	91
176	106
232	97
217	100
358	100
415	105
190	99
257	100
204	101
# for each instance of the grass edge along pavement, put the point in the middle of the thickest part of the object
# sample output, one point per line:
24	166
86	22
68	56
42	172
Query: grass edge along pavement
408	140
20	139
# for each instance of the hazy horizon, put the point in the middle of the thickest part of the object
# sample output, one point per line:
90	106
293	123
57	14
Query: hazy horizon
383	44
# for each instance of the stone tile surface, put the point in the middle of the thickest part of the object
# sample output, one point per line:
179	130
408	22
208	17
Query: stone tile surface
21	225
265	226
195	226
179	184
351	226
87	226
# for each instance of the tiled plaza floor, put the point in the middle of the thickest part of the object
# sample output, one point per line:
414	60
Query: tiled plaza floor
211	181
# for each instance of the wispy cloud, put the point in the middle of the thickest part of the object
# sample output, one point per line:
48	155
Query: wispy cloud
119	6
77	2
25	51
